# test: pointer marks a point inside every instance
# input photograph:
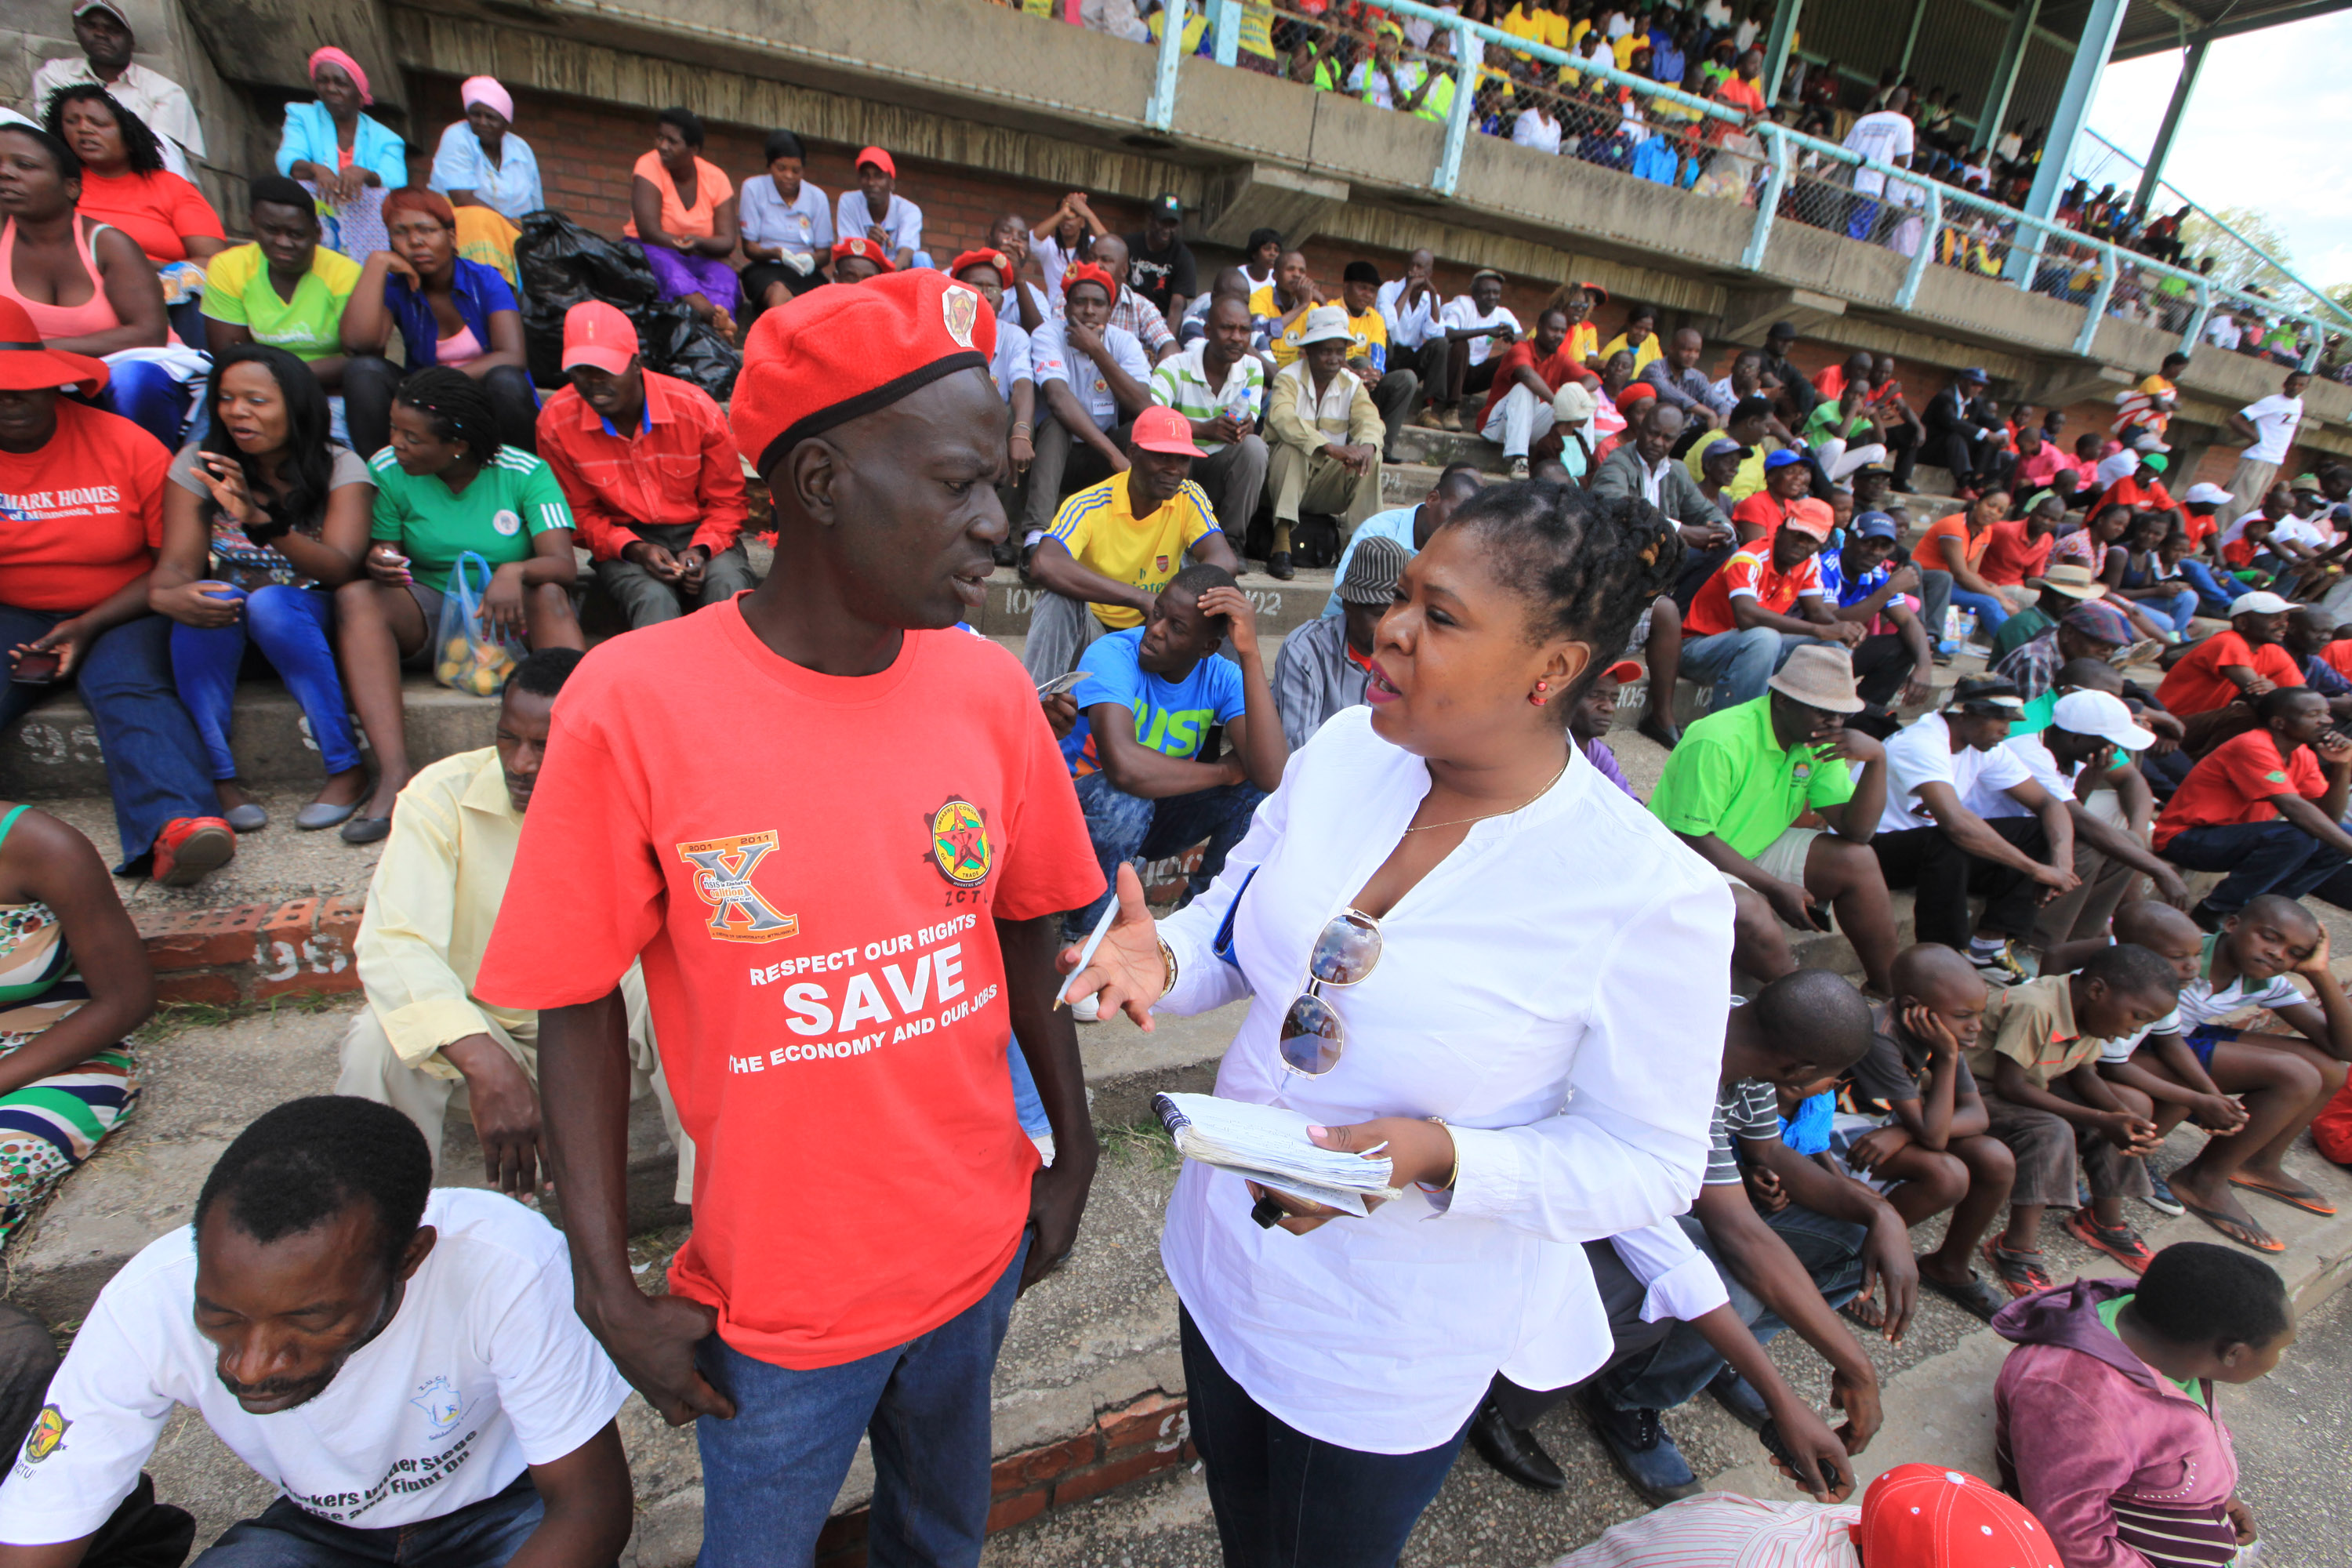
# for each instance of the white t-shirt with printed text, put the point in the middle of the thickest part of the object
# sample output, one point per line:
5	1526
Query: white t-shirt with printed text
484	1370
2275	417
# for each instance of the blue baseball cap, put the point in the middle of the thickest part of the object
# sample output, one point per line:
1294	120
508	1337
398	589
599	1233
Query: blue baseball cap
1876	525
1782	458
1973	374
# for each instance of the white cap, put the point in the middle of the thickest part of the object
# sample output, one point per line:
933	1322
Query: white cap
2258	602
1572	403
2207	495
2102	714
1324	322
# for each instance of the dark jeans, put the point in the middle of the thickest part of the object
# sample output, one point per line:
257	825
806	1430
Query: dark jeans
770	1475
1831	1250
1881	664
1621	1295
156	766
1904	444
1284	1497
2273	857
481	1535
369	381
1127	827
644	600
1945	875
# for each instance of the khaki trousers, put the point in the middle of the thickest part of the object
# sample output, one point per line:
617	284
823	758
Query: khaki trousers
371	1070
1320	482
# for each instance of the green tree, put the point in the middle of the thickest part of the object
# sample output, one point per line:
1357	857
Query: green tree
2234	266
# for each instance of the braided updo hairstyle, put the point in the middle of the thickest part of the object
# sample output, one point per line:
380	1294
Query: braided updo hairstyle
457	405
1586	565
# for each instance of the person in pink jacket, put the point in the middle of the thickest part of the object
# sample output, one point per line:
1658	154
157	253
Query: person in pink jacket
2104	1425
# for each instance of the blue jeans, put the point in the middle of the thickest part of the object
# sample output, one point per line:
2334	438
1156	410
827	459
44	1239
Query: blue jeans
1990	611
1831	1250
150	396
1284	1497
154	762
770	1475
2273	857
1027	1104
290	626
2180	608
2214	593
1738	662
1127	827
480	1535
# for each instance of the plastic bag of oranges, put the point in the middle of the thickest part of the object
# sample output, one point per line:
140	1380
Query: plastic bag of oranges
466	657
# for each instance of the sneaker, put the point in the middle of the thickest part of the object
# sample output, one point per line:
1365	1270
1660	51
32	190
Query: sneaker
1644	1453
1739	1396
190	848
1519	468
1449	418
2123	1243
2000	964
2160	1198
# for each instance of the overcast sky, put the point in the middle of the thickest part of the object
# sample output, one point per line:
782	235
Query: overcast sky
2268	127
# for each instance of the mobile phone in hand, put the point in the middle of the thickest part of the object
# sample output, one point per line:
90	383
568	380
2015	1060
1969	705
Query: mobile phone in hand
1061	683
38	668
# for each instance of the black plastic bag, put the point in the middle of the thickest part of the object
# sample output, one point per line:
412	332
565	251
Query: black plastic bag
674	343
562	264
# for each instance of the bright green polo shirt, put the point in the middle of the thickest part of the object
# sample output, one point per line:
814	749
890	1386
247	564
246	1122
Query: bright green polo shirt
1729	777
515	497
309	326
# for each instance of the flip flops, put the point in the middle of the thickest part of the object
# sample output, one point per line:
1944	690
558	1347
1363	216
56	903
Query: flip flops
2121	1243
2248	1235
2020	1273
2308	1199
1976	1298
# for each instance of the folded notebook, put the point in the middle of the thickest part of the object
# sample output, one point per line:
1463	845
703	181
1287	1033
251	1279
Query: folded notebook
1268	1145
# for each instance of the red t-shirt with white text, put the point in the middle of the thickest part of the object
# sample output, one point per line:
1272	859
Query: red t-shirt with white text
810	866
82	515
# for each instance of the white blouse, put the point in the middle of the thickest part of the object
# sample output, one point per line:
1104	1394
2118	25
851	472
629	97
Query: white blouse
1555	989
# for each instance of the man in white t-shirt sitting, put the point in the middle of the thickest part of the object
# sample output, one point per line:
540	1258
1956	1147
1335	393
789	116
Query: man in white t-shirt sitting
403	1365
2268	429
1477	328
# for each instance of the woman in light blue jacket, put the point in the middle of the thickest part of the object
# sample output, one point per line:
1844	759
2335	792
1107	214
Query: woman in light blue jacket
347	159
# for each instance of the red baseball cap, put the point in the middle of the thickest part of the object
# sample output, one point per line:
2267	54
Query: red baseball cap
858	244
879	159
1810	514
996	259
598	335
1623	670
833	354
1162	429
1924	1516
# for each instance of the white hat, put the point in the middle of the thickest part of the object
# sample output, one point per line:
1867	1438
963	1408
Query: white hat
2207	495
2102	714
1324	322
2258	602
1572	403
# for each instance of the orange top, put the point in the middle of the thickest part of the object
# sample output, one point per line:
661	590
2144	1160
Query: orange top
695	222
1929	554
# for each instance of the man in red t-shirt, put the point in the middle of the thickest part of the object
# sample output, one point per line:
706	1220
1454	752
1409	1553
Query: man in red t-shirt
841	851
82	494
1763	605
1518	402
1785	483
2244	661
2265	808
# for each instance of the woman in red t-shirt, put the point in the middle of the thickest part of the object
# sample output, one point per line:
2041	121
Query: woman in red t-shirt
1948	555
83	493
124	182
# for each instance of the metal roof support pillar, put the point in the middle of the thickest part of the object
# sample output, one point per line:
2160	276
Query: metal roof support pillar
2192	61
1911	39
1776	48
2003	85
2100	25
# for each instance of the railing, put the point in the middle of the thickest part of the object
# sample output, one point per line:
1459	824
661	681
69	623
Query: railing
1649	130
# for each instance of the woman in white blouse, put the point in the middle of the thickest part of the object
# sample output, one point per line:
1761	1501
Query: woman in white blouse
1466	947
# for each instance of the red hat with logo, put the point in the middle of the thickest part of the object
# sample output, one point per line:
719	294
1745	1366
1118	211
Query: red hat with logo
833	354
996	259
1924	1516
598	335
879	159
1090	272
1160	429
858	244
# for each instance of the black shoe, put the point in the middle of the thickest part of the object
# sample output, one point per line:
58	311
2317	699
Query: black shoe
1004	553
1736	1394
1515	1453
1027	550
1278	565
1644	1453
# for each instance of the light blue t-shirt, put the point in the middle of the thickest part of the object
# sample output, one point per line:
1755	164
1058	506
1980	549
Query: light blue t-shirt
1171	717
1396	524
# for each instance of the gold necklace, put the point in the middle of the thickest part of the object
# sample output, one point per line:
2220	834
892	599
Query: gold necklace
1431	826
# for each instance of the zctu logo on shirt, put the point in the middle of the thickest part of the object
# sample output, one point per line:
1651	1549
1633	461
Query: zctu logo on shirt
438	1400
507	522
722	879
959	846
48	1431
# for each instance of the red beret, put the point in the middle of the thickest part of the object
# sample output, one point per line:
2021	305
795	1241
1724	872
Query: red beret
1634	392
833	354
1090	272
858	244
996	259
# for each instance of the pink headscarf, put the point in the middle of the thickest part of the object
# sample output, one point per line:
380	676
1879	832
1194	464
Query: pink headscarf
486	91
331	56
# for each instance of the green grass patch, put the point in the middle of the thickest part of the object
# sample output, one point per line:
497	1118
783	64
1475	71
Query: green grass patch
172	1019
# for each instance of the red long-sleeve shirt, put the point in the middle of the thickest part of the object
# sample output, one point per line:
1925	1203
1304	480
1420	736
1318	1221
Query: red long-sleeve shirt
680	465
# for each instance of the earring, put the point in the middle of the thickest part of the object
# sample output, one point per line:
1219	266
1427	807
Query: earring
1537	696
